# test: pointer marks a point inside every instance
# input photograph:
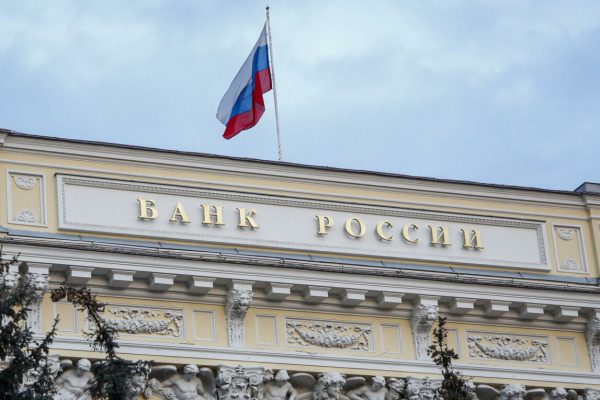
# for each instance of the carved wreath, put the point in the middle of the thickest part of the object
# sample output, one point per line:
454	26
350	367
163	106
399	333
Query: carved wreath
328	335
136	321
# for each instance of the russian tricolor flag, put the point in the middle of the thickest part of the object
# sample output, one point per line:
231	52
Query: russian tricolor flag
243	104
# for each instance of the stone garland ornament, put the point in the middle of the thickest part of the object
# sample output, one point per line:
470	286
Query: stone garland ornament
329	335
25	216
136	320
508	347
73	380
421	322
238	303
569	265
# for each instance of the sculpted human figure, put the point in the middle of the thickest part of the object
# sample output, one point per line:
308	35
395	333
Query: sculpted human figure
187	386
512	391
375	391
558	394
74	383
279	388
591	394
413	388
329	386
395	389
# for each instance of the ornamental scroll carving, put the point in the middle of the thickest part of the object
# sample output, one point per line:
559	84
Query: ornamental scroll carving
421	322
509	347
565	234
25	216
145	321
238	303
327	334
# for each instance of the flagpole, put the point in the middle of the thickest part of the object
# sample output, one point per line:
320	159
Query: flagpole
279	145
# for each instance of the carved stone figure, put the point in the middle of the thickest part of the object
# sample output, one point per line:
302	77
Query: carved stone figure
558	394
591	394
9	280
512	391
423	318
238	303
329	386
375	391
413	388
279	388
593	342
74	383
139	386
186	386
395	389
241	383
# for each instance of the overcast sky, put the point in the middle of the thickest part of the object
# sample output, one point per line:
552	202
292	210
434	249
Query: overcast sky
492	91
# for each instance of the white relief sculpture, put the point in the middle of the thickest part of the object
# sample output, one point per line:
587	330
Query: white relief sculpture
591	394
279	388
137	320
39	283
241	383
558	394
25	182
570	265
374	391
508	347
428	390
25	216
185	386
413	388
9	280
329	335
53	365
396	387
423	318
565	234
329	386
74	383
139	386
238	303
512	391
593	341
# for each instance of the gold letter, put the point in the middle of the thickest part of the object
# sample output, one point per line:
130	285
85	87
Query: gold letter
406	235
379	230
474	241
350	231
217	213
444	235
247	218
324	223
179	215
148	209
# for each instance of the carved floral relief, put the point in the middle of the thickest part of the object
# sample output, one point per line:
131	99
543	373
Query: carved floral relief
508	347
145	321
329	334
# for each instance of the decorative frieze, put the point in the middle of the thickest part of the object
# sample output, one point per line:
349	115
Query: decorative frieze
329	334
145	320
508	347
257	383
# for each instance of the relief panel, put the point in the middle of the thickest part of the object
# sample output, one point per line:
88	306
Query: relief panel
148	321
507	347
329	334
569	248
26	199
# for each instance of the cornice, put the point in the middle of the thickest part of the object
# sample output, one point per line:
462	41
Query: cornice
285	171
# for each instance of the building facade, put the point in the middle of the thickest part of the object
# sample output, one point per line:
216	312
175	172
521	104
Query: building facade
250	279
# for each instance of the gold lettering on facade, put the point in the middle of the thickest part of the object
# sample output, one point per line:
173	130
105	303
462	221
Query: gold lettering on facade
324	223
148	209
406	233
247	218
439	235
472	239
179	215
350	223
379	229
212	211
